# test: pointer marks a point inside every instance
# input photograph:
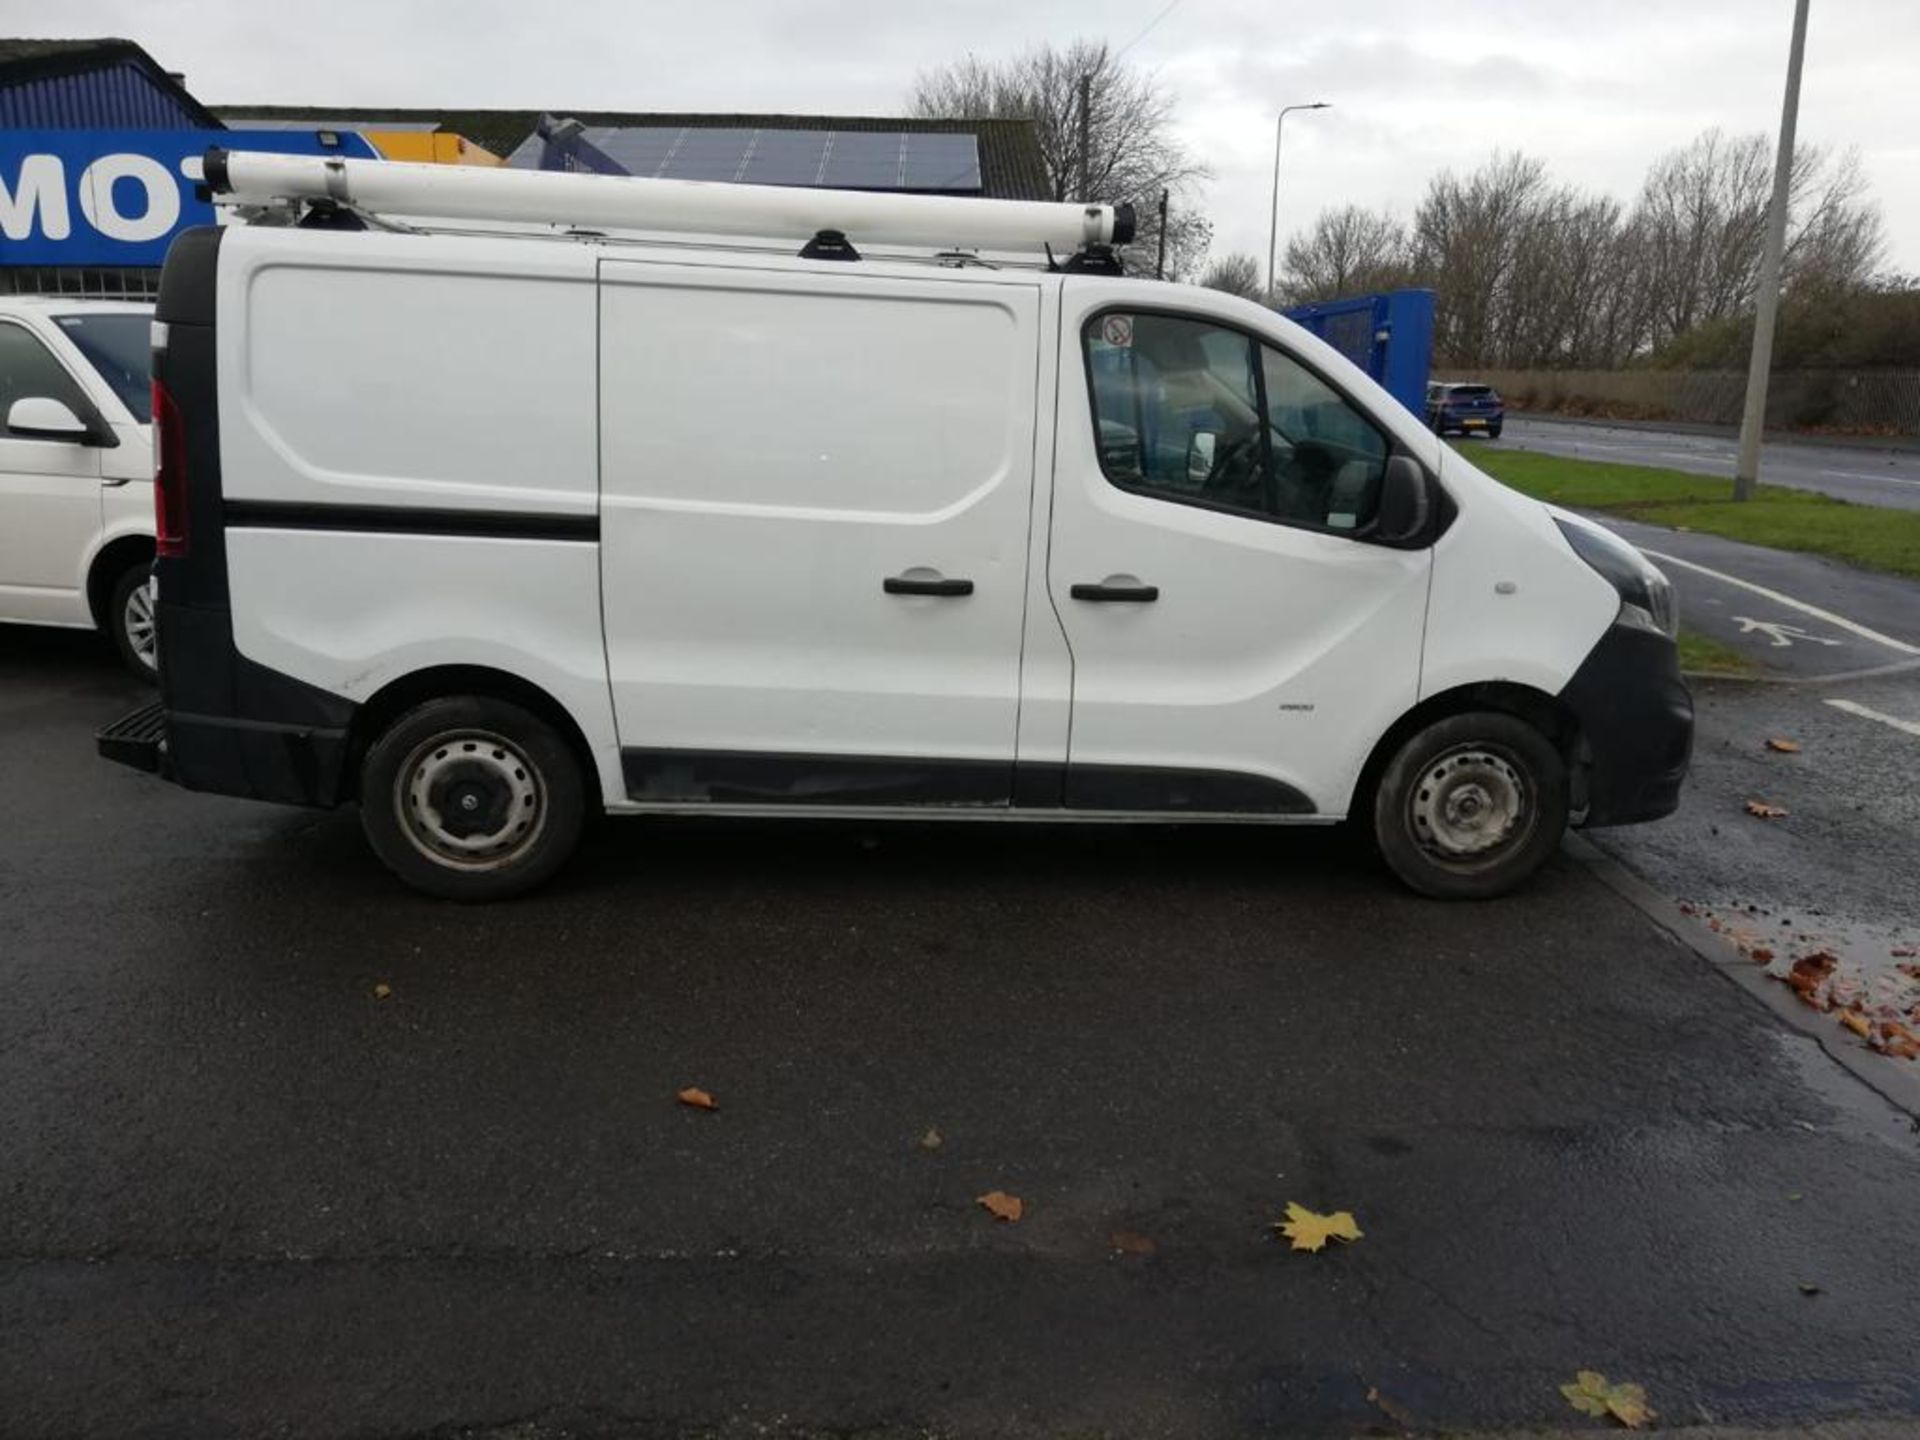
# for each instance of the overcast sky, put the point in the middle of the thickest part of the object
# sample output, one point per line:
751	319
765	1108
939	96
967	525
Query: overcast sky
1598	88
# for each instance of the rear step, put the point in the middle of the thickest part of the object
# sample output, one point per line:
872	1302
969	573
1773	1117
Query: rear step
138	738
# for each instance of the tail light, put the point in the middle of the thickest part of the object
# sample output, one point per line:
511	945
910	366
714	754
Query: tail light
169	476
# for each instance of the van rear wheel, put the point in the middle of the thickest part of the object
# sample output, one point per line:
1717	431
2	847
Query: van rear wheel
471	798
1471	806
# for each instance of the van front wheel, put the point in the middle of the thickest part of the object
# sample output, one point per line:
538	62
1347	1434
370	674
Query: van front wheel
1471	806
471	798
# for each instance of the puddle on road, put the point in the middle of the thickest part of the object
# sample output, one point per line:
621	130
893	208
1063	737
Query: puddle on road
1863	974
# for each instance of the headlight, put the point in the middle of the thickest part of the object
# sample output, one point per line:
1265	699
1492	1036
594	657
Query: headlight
1646	596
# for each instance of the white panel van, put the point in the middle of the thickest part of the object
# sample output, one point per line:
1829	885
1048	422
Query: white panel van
481	530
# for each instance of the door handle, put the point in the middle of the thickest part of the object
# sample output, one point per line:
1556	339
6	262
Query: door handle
1135	593
925	585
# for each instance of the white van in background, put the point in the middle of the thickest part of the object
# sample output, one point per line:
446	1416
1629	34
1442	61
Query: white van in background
483	530
76	469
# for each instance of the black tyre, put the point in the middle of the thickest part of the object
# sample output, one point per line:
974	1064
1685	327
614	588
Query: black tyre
471	798
129	622
1493	432
1471	806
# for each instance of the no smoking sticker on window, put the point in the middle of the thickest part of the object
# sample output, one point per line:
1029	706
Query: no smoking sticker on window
1117	331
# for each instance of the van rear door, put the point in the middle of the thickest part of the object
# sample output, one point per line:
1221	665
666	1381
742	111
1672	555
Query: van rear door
814	518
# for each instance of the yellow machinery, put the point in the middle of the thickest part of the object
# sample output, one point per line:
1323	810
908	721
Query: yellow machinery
430	147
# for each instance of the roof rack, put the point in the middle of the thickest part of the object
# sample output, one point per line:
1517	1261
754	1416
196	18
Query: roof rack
458	192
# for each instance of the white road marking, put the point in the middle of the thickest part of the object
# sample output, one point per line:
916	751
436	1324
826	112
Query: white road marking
1854	707
1838	621
1781	633
1862	475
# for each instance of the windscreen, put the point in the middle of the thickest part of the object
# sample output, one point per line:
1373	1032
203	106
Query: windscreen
119	346
1468	392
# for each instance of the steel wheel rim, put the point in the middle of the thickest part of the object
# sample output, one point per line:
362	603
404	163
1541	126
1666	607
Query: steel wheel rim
136	622
1471	803
470	800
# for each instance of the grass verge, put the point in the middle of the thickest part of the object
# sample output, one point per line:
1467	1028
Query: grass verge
1703	655
1864	535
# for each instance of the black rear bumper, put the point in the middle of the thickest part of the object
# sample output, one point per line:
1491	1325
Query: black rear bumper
1636	716
290	764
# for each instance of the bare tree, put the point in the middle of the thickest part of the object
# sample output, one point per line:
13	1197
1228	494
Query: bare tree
1703	214
1237	274
1348	251
1837	240
1467	233
1529	275
1131	152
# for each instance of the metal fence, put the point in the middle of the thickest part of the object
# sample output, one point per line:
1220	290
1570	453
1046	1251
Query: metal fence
1868	402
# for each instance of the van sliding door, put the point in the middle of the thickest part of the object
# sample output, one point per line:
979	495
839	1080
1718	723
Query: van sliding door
814	516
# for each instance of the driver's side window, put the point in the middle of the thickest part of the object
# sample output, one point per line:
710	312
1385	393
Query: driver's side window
1198	413
1176	401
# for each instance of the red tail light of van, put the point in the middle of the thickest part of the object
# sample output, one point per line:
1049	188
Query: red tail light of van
169	476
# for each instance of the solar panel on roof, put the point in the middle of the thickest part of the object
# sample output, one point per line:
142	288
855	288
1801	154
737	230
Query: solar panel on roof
638	151
844	159
863	161
786	157
942	162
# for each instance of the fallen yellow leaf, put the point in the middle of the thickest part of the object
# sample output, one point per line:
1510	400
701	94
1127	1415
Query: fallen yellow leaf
1592	1394
1309	1231
698	1099
1856	1022
932	1140
1762	810
1002	1206
1785	747
382	990
1397	1413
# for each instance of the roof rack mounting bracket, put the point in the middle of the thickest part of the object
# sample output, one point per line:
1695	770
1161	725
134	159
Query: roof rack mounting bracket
829	245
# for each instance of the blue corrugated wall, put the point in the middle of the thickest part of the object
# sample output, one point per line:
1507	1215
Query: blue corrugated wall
116	97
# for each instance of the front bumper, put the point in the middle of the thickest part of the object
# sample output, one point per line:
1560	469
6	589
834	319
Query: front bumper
1636	717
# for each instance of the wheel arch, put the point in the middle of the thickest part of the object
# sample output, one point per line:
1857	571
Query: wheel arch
403	693
106	566
1548	714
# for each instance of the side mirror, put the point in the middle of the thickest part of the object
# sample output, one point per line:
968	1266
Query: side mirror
1200	450
37	417
1404	502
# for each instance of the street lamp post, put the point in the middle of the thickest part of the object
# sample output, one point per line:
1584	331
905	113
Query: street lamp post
1273	213
1746	469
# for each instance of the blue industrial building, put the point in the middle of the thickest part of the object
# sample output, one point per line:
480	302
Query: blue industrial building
92	85
81	85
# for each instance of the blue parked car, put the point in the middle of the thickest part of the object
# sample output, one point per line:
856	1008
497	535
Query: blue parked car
1470	409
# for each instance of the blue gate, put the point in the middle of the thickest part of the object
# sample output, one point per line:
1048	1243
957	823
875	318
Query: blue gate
1389	336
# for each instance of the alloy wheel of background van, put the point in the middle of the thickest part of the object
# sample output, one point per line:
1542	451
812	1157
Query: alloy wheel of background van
471	798
130	621
1471	806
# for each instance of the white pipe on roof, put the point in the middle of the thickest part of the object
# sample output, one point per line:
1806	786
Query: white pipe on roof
558	197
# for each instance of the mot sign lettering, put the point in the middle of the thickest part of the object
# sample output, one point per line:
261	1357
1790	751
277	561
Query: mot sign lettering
102	197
